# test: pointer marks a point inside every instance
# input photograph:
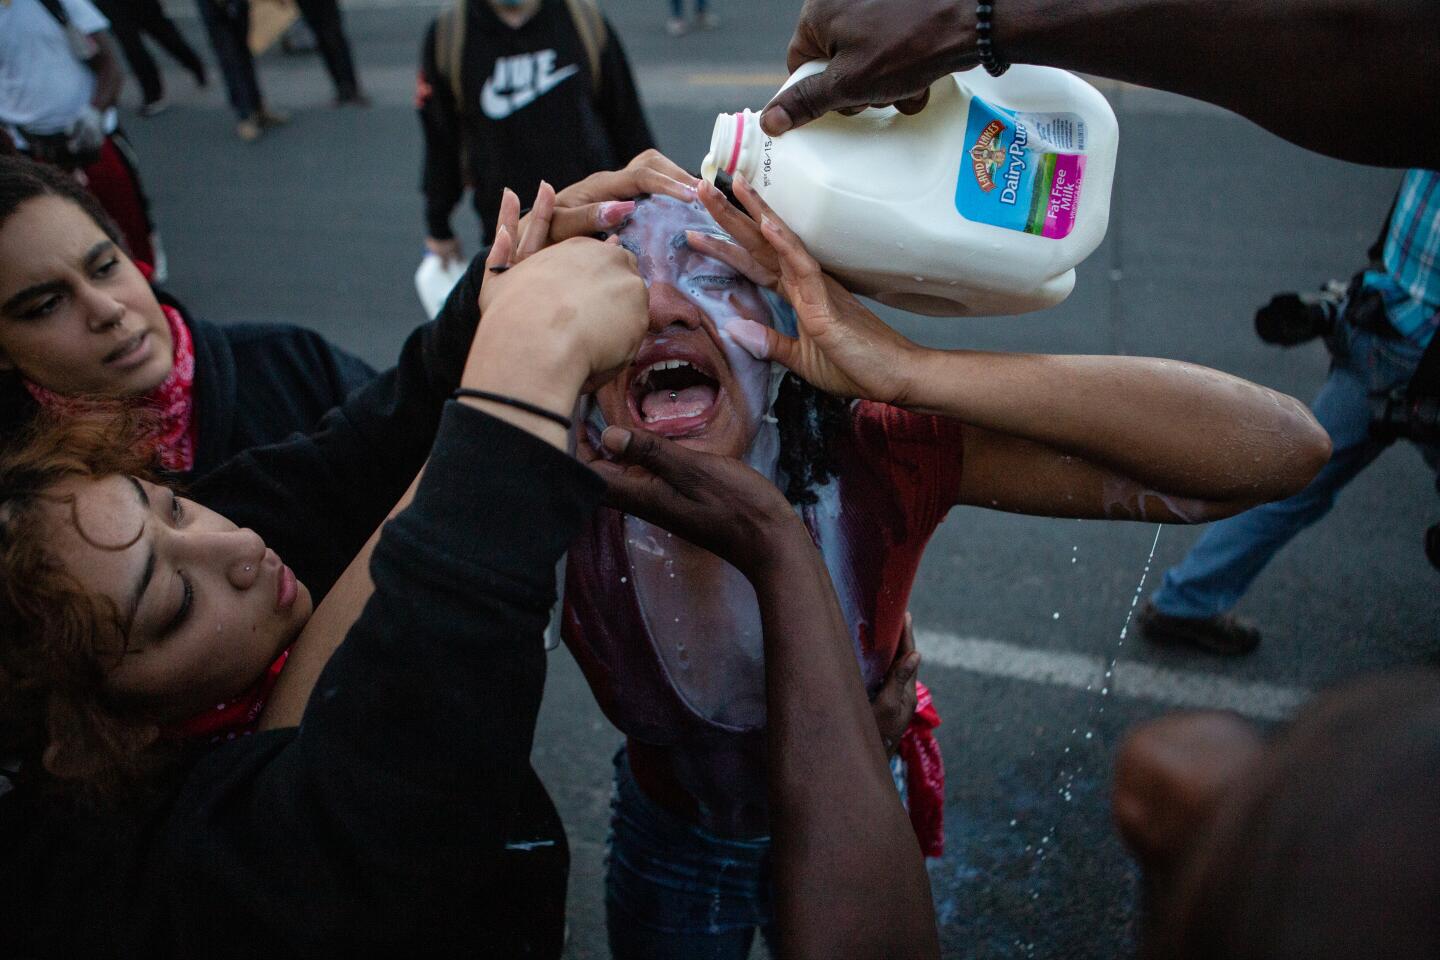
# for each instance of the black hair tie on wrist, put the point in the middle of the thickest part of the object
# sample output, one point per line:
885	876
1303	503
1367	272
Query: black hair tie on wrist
515	402
994	65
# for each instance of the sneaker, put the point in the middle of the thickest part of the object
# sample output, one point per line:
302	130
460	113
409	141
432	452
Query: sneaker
1225	634
676	27
707	20
249	129
271	118
154	108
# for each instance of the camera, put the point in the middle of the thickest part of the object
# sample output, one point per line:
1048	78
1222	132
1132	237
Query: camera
1290	319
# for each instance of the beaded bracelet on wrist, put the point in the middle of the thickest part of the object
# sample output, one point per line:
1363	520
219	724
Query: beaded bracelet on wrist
994	64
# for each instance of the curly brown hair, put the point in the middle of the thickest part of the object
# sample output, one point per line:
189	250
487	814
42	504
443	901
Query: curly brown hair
58	642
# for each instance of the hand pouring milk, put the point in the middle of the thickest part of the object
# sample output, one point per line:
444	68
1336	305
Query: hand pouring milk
982	203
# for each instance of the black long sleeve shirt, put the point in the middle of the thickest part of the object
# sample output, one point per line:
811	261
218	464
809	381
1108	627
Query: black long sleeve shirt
532	113
386	823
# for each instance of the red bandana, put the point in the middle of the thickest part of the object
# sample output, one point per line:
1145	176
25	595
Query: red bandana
925	774
236	717
173	400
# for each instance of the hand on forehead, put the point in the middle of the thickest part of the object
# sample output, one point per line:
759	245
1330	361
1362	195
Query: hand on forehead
655	233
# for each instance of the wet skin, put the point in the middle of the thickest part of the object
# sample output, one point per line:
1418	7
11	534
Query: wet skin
203	604
76	315
722	394
700	612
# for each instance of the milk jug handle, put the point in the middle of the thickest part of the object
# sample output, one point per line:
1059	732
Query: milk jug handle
944	89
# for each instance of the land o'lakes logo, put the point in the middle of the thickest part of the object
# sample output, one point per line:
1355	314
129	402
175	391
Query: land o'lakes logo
988	155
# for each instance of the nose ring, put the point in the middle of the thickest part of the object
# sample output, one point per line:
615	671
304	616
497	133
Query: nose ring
249	567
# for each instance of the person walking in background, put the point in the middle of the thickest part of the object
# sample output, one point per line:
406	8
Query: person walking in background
227	24
677	26
59	81
512	92
131	18
323	19
1380	332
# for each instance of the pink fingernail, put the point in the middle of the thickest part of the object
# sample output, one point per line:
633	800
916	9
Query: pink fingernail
750	336
614	211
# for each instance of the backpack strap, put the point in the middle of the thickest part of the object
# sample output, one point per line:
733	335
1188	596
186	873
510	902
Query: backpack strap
449	61
450	49
590	25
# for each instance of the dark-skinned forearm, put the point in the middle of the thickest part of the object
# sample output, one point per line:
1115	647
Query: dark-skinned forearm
850	880
1355	79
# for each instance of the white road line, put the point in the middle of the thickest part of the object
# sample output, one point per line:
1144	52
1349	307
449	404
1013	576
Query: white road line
1175	688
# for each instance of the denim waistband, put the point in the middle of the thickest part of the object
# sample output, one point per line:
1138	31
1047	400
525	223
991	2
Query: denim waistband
674	876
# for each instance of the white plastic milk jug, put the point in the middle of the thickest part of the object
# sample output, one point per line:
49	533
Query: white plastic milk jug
981	204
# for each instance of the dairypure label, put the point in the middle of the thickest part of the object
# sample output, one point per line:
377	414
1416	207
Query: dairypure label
1023	170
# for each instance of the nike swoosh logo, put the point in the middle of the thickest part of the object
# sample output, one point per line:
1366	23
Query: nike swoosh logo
498	106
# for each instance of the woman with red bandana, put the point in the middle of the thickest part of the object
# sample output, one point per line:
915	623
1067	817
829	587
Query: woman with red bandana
81	324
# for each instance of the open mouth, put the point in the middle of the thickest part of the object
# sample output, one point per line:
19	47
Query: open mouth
673	396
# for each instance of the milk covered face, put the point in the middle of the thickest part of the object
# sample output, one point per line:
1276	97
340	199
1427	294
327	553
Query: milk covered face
690	381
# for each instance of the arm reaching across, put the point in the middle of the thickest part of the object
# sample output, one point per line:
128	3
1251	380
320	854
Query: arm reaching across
1303	69
578	280
1072	436
850	880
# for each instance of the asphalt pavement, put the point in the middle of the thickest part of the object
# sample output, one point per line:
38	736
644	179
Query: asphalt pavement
1023	621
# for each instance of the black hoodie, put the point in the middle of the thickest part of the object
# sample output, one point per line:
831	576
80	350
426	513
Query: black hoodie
532	113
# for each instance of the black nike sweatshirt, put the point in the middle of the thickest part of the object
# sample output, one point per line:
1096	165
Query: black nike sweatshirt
532	112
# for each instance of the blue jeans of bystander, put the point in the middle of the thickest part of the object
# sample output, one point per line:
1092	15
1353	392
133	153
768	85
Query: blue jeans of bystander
1225	560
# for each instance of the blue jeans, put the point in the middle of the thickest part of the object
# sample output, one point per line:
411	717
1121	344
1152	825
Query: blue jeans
227	23
673	890
1220	567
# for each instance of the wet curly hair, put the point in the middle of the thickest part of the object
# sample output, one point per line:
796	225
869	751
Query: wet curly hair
58	642
811	422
